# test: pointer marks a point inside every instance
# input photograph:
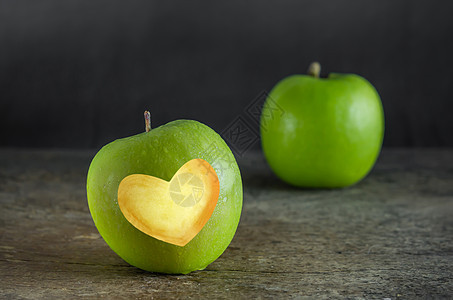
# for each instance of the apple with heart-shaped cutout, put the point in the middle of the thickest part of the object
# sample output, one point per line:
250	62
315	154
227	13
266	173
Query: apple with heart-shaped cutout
176	148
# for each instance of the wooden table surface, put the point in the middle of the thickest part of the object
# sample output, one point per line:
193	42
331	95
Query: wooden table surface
390	236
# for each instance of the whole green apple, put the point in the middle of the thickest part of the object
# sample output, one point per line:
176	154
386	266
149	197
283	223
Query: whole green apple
160	153
322	132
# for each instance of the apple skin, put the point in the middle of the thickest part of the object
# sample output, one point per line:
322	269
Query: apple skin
161	152
328	133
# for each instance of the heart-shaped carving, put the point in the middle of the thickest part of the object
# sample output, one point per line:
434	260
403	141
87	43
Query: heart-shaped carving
174	211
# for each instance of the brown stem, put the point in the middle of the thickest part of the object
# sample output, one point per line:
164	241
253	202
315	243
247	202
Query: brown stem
314	69
147	121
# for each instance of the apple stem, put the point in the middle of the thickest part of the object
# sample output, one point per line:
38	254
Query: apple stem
147	121
314	69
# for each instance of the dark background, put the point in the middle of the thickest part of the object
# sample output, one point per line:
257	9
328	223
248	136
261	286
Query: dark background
78	74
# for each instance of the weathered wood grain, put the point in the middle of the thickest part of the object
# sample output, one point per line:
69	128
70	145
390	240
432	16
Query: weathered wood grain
390	236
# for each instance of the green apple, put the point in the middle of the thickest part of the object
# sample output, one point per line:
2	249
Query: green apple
161	152
322	132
